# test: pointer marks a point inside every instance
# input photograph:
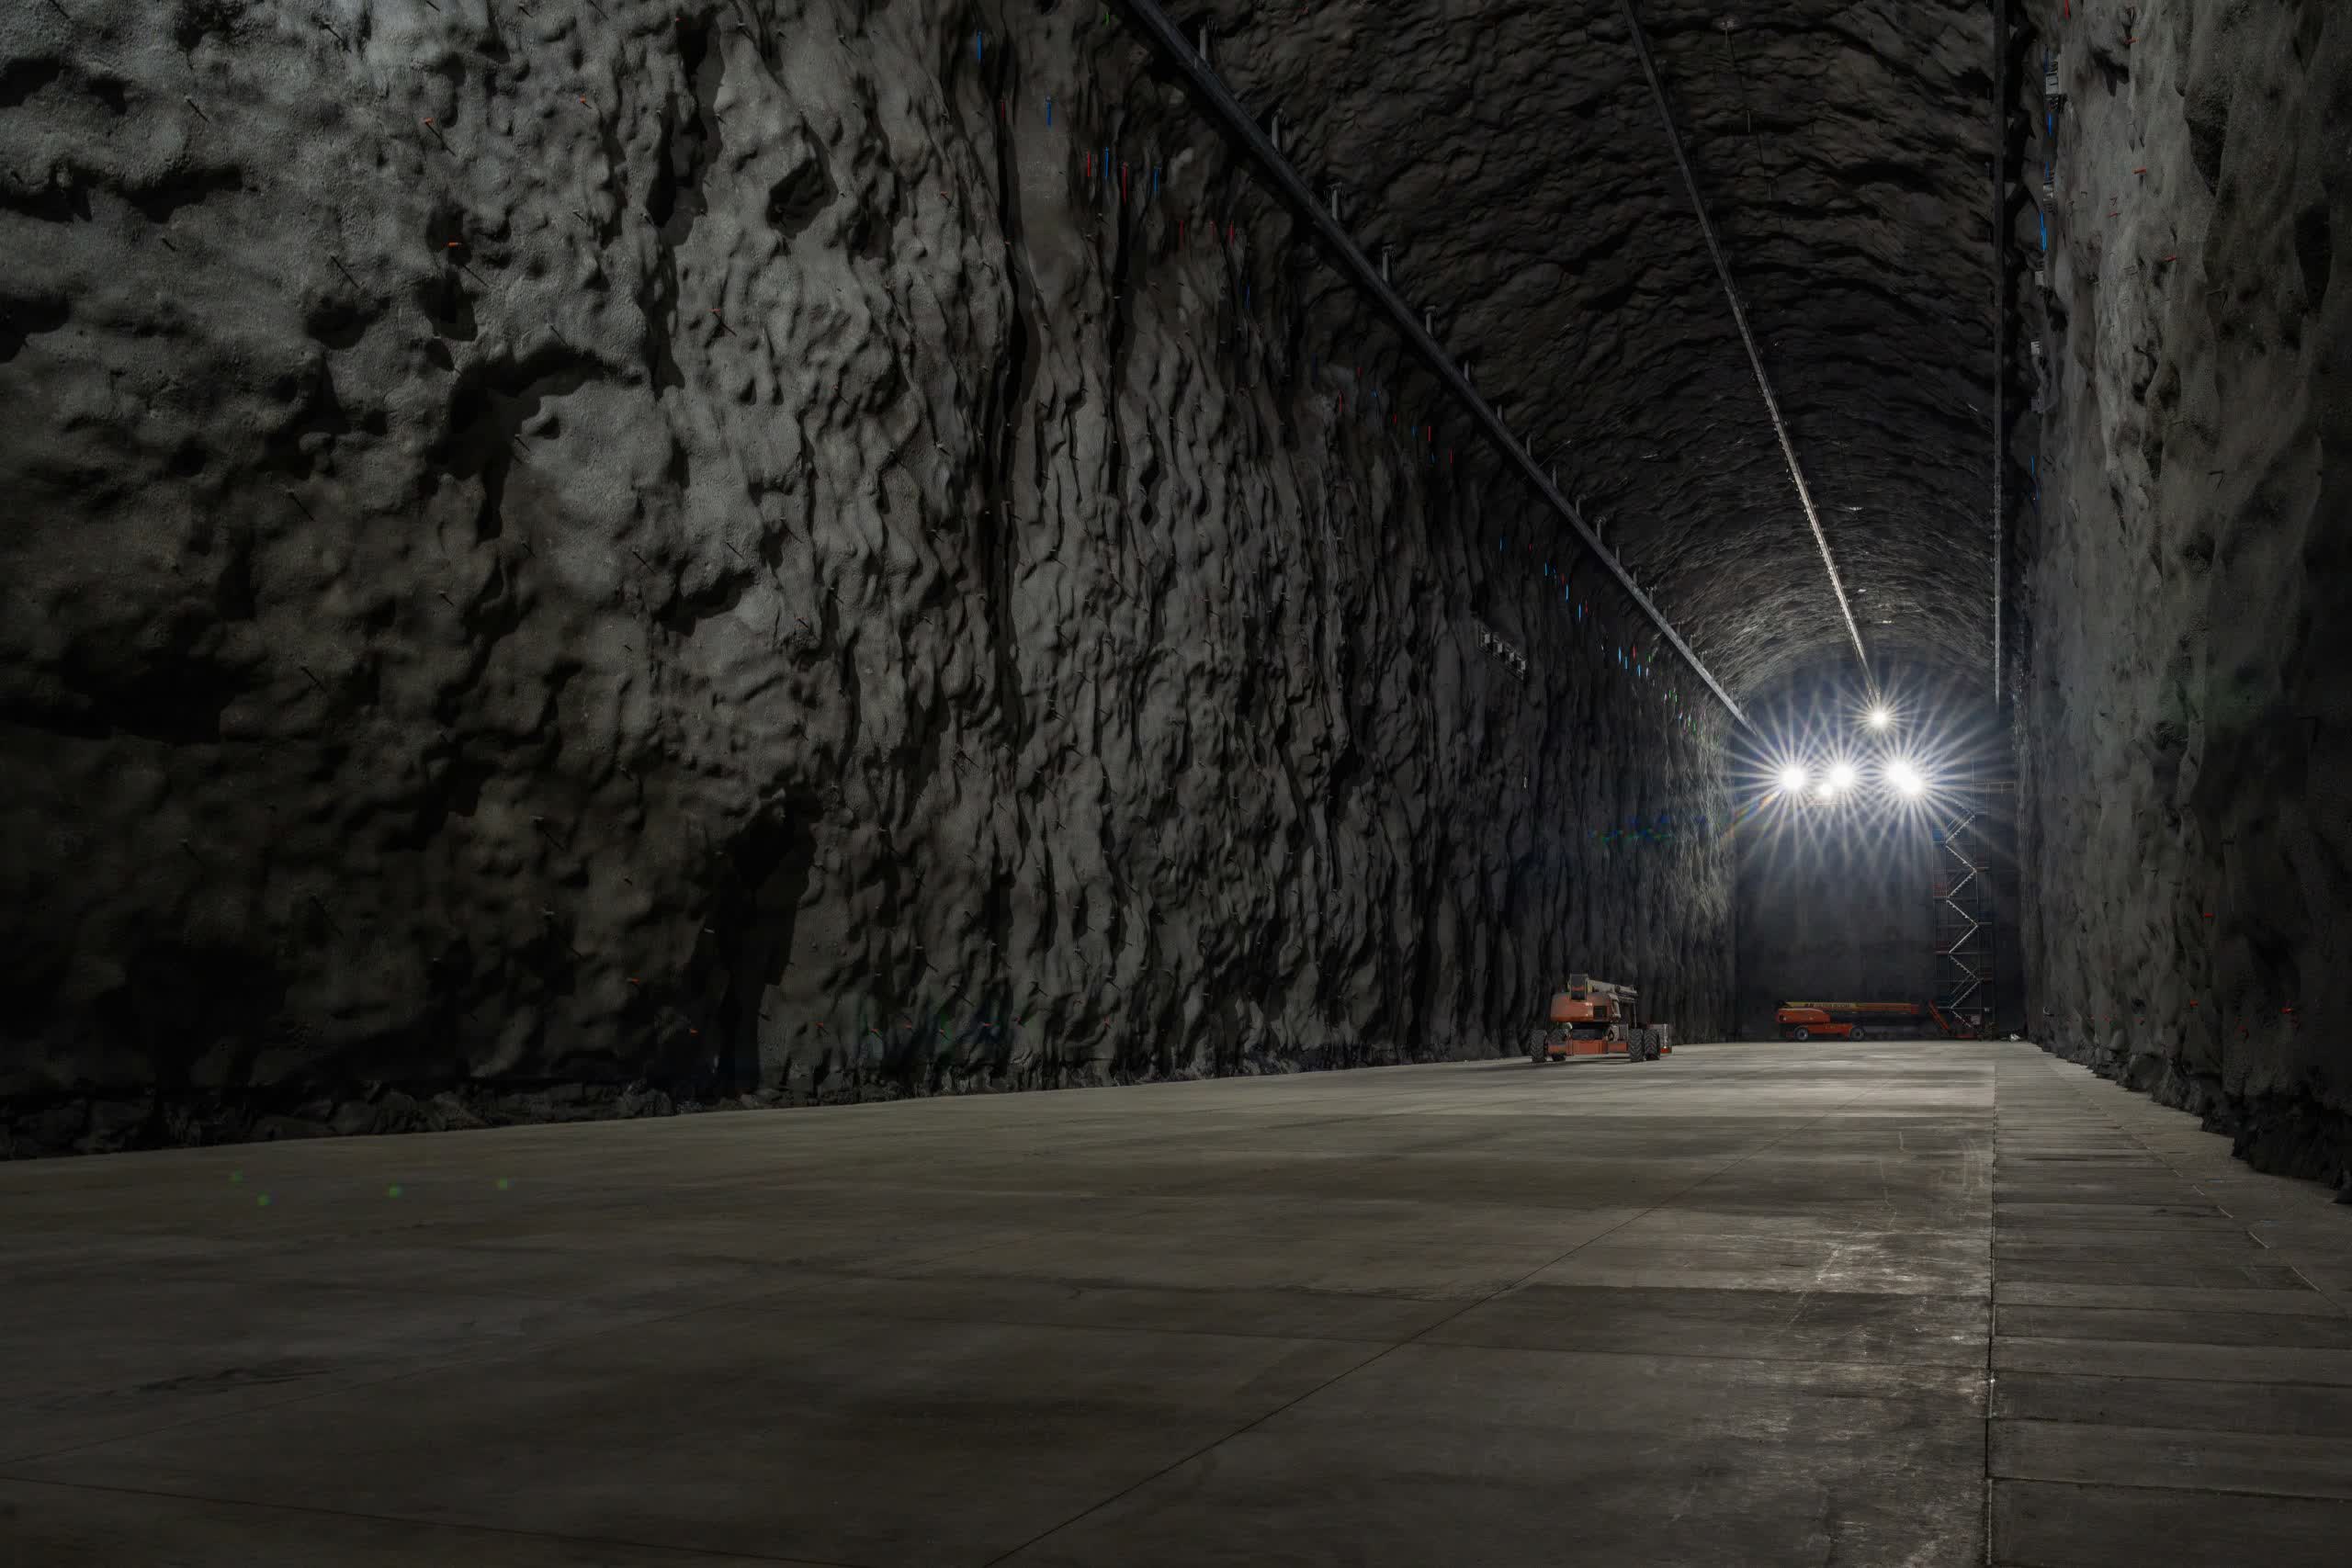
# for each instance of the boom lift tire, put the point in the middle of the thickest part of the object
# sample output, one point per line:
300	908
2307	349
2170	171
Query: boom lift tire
1799	1032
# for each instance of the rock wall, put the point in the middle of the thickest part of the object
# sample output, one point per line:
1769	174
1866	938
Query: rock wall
1512	157
2184	720
592	558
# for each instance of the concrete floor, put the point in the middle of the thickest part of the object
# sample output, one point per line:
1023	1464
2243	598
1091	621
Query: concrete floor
1745	1307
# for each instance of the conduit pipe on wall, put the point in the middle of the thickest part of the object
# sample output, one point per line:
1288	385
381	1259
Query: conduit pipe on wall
2000	317
1193	65
1739	316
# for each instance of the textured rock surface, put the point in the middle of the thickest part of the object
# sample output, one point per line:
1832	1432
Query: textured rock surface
2185	724
1512	157
607	557
596	557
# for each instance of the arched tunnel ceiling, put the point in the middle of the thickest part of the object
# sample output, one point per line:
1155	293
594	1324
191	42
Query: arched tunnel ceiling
1513	159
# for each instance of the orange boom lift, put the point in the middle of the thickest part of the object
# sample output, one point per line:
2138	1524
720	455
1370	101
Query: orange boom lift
1599	1018
1841	1021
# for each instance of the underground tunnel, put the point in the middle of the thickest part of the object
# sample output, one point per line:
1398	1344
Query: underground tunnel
1623	704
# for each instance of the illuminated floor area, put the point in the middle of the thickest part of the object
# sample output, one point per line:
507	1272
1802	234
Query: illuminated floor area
1736	1307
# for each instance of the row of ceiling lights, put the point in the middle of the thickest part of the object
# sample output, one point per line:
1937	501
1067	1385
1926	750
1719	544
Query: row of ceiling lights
1899	775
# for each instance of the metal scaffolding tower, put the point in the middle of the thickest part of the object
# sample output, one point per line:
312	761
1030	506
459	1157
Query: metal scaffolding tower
1963	899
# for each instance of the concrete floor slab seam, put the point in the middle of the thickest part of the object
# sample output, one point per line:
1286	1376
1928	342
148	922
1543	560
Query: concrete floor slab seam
1410	1340
1806	1274
682	1554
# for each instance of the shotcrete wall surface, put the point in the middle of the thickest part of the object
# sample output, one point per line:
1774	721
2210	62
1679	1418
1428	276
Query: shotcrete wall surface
2184	718
584	558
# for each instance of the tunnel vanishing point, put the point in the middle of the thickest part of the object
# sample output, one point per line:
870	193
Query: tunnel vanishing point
576	565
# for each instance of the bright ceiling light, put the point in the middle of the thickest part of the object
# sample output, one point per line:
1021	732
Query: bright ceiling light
1793	778
1880	716
1841	778
1905	780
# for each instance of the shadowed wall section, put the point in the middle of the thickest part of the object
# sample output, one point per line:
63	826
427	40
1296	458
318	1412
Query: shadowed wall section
584	561
605	556
2183	719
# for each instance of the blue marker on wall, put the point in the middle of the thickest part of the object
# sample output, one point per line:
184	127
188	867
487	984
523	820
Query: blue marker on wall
980	47
1049	109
